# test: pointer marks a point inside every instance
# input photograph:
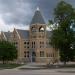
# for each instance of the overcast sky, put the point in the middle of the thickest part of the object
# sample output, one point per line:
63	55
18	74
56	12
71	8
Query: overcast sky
18	13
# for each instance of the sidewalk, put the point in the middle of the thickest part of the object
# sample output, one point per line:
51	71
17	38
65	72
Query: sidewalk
36	66
32	66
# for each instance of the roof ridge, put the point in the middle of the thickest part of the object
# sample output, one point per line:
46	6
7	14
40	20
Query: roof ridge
23	33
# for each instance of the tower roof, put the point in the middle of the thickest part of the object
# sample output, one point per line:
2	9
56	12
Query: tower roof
37	18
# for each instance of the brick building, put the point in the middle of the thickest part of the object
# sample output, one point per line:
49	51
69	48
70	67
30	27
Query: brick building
33	45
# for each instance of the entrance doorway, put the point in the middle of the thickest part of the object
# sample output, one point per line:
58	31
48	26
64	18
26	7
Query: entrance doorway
33	56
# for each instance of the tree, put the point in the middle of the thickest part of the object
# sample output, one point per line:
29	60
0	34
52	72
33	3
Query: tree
63	37
7	51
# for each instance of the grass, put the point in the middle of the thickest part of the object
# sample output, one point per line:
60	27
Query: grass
61	66
68	66
9	66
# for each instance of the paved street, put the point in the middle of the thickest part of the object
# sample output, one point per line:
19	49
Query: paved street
70	71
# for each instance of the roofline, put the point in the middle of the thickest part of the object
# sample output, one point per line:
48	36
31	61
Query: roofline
17	33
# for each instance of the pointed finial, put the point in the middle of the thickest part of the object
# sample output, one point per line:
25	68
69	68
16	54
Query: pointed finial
37	9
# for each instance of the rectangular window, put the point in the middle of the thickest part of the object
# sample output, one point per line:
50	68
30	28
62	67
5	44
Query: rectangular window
24	42
33	44
26	54
28	47
48	55
28	43
42	44
41	53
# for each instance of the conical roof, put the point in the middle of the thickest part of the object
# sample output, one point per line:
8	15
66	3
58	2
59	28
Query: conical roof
37	18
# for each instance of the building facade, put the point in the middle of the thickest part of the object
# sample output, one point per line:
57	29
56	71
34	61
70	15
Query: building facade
33	45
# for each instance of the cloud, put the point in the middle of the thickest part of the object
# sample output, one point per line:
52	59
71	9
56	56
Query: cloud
20	12
14	14
15	11
4	27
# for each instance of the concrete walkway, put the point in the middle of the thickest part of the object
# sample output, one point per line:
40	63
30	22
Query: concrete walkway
32	66
36	66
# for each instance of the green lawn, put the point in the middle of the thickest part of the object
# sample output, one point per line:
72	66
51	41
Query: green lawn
9	66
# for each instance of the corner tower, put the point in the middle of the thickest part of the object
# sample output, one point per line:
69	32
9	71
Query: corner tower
37	25
37	36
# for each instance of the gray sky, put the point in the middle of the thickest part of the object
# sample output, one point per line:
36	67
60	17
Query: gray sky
16	13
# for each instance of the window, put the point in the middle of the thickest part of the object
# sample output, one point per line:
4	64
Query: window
48	55
16	44
28	47
33	44
26	54
24	42
41	44
41	53
41	29
28	43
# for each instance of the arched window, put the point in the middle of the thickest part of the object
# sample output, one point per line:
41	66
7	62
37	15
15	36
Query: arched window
41	29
